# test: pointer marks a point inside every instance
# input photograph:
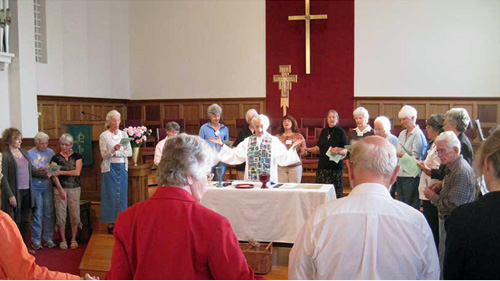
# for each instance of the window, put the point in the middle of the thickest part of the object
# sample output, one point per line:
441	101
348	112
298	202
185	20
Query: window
40	33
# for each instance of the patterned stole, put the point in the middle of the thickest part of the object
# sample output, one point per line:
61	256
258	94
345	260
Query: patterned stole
259	159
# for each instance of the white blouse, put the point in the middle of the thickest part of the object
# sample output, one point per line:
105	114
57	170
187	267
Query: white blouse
107	141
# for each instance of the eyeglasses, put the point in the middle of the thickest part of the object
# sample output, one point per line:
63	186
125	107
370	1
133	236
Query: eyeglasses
210	176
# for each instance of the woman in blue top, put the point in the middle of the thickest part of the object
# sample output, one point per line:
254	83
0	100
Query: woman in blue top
213	129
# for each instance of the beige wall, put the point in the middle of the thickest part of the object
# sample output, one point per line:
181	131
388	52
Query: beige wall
438	48
197	49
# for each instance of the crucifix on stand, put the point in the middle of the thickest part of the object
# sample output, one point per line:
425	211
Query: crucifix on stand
285	84
307	18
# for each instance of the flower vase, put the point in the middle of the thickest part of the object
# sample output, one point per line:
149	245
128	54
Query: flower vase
135	155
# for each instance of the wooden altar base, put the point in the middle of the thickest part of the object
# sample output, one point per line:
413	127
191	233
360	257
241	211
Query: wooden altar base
97	258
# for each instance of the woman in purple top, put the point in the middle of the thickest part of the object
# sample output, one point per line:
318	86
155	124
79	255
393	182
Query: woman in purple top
17	170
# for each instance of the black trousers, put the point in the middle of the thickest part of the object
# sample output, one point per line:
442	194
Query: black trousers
431	215
23	212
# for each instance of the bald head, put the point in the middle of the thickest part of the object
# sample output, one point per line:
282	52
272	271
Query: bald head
373	159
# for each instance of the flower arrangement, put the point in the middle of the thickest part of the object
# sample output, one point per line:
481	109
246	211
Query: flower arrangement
138	135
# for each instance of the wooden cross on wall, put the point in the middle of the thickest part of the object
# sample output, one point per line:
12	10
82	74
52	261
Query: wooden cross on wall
285	84
307	18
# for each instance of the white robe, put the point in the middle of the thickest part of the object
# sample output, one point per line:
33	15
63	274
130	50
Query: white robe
279	155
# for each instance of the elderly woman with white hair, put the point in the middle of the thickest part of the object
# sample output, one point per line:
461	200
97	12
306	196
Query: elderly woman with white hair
382	127
362	129
68	189
213	129
261	151
43	193
114	170
171	235
411	141
244	133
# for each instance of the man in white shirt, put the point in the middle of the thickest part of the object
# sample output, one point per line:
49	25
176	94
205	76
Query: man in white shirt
172	131
367	235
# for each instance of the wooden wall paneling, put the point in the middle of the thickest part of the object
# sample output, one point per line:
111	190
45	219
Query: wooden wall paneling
192	117
487	113
152	113
436	108
373	109
87	108
99	113
171	111
134	112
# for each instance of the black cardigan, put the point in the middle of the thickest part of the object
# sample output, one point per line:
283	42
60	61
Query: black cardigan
9	180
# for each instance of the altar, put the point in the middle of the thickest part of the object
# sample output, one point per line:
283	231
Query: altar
272	214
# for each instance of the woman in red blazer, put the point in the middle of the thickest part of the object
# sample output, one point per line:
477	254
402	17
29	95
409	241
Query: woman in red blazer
171	235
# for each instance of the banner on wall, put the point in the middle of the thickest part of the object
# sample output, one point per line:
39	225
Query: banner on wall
82	141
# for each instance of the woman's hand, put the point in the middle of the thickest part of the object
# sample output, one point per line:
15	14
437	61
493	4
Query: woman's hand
297	143
89	277
424	168
117	146
217	140
13	201
63	194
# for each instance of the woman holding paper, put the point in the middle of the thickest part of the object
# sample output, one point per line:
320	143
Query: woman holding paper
68	189
411	141
434	128
332	140
17	170
114	169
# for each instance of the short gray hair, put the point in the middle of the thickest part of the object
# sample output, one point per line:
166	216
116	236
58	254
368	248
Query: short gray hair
408	111
172	126
379	159
110	114
41	136
66	138
450	139
435	121
251	113
184	155
386	123
335	113
459	118
264	120
361	111
214	109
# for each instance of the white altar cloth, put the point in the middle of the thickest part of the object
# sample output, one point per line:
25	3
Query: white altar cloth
272	214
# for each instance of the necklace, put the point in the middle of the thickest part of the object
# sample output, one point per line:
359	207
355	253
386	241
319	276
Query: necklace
330	132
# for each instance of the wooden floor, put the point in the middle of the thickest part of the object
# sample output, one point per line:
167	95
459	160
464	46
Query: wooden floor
97	258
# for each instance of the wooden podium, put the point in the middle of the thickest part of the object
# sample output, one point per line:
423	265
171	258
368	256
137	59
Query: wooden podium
138	182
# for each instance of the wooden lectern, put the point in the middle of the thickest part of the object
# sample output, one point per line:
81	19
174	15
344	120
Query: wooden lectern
138	188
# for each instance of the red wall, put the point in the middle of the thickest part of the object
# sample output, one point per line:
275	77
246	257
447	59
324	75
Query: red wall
331	82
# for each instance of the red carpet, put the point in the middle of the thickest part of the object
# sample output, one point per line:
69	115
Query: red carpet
61	260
